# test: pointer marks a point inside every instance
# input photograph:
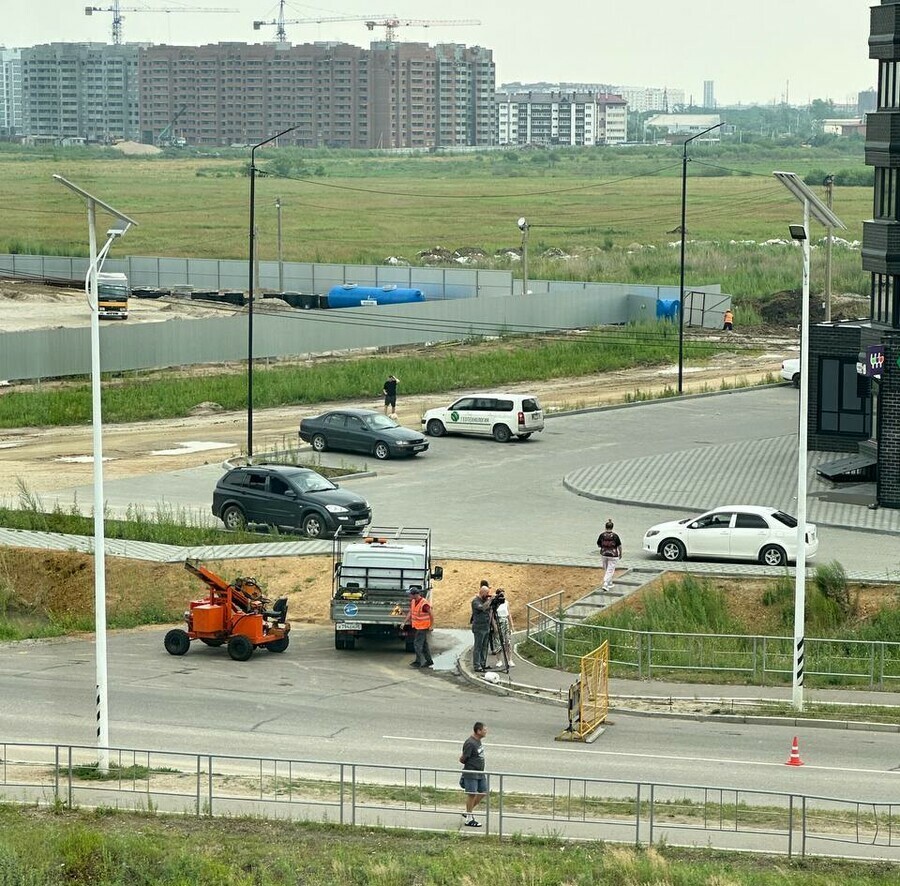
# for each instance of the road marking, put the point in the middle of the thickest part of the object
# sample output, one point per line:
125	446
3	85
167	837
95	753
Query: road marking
526	747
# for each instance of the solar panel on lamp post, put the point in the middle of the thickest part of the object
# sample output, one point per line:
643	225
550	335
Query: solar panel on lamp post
91	290
812	206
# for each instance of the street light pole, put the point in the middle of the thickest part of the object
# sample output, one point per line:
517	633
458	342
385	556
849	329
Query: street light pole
684	162
523	227
829	232
91	290
280	256
812	205
802	439
250	285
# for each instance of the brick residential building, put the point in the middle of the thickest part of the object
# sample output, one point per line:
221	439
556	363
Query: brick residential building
393	95
80	92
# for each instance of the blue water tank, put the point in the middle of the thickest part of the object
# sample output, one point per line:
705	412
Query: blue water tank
352	296
667	308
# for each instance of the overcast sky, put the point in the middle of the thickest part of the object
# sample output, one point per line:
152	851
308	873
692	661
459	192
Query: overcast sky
754	50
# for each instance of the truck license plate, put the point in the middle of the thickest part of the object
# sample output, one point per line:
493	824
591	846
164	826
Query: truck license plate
348	626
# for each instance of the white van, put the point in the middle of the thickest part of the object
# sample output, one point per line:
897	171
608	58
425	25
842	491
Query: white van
496	415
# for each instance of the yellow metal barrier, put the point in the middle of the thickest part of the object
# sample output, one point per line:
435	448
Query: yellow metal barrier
589	694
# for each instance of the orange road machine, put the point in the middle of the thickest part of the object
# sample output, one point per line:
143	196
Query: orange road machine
235	614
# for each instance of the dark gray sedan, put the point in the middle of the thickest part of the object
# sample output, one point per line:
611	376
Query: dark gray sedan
361	430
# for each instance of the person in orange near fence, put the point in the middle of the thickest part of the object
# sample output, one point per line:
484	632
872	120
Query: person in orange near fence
728	321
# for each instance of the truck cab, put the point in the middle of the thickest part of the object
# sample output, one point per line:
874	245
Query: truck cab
112	296
371	582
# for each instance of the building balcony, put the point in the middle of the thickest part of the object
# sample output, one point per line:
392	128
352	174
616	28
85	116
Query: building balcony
884	32
881	247
883	138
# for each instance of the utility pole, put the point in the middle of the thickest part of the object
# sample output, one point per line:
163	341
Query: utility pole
280	259
829	232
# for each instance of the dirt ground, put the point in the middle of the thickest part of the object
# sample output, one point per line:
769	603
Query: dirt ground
63	583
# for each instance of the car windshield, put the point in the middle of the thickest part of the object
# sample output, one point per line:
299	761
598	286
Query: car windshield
379	422
787	519
312	482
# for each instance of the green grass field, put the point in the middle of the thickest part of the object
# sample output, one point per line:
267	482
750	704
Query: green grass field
42	848
361	207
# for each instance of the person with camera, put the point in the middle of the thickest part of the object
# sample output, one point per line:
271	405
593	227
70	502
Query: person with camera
502	620
481	626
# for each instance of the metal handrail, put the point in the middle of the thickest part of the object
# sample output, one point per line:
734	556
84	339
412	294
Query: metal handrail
754	655
350	793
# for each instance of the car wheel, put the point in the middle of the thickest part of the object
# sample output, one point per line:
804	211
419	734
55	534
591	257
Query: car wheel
240	648
672	550
772	555
319	443
523	436
234	518
339	640
795	380
501	433
382	451
435	428
313	526
278	645
177	642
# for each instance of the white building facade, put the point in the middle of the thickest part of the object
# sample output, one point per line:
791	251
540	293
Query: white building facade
557	118
10	92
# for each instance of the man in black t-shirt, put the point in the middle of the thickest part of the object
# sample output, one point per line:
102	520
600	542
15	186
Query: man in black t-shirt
390	395
473	780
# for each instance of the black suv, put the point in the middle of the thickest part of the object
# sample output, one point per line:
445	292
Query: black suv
287	497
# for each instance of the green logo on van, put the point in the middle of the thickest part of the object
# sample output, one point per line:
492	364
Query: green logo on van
454	416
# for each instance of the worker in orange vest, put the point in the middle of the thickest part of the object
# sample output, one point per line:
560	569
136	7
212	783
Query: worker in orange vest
728	321
421	620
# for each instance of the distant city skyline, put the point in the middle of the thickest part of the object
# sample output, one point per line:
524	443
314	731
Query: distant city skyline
762	52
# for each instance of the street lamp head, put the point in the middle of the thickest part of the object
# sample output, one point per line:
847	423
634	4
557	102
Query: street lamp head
798	232
523	224
116	232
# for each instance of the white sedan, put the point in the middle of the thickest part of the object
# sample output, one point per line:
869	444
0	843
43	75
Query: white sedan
790	371
738	532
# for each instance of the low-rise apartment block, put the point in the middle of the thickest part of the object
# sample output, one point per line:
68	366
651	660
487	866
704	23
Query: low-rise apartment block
557	118
10	92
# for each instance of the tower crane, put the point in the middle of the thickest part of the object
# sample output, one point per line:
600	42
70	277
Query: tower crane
391	24
117	9
280	22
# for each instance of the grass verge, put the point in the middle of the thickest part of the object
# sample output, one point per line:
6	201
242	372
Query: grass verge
43	847
481	365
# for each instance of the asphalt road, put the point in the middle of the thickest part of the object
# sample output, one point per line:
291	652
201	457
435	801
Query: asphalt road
508	501
488	500
313	703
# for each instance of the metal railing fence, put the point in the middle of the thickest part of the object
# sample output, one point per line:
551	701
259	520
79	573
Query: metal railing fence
762	659
518	804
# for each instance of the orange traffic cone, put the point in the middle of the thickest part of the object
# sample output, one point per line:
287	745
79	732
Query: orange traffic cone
794	759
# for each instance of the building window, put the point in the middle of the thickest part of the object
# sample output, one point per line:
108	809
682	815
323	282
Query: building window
885	306
886	183
888	85
845	408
